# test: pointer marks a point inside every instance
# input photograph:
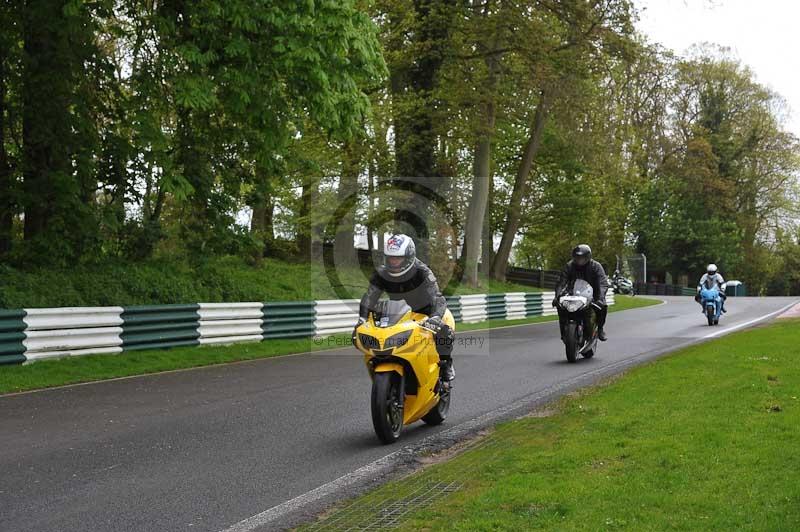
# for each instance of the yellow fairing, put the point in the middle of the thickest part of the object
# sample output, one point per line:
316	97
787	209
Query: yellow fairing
390	366
417	356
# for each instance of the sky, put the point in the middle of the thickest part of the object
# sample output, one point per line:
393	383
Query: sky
764	34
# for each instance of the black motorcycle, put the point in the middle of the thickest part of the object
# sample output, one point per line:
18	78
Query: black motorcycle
622	285
580	332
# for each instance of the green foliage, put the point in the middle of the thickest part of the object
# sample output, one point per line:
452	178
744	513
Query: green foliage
182	132
218	279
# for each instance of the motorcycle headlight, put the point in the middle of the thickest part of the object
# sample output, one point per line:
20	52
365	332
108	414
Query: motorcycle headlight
572	305
369	342
397	340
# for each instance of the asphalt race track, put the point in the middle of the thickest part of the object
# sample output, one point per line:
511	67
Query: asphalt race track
206	449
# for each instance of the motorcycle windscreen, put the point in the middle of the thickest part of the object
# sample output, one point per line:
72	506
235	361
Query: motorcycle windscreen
709	294
389	313
583	289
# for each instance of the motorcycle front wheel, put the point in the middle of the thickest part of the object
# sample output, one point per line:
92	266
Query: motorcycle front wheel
387	406
571	341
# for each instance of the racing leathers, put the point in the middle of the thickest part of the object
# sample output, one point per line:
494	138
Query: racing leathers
420	290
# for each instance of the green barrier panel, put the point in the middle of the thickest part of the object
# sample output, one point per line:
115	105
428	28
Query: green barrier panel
289	320
160	326
12	335
496	306
534	305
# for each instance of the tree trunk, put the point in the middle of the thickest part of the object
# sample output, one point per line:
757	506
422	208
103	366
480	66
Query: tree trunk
46	116
263	206
478	201
371	208
482	176
6	183
415	139
487	244
305	225
521	183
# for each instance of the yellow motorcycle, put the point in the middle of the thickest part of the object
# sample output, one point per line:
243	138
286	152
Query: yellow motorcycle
402	360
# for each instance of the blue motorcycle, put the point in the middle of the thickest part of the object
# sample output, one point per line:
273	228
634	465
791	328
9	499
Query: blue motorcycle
712	304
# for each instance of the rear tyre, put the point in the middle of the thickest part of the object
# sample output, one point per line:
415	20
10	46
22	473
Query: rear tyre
571	341
438	414
387	407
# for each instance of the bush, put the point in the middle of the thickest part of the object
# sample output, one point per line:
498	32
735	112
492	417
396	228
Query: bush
162	281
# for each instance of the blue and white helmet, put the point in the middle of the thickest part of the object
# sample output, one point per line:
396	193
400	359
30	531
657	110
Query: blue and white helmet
399	247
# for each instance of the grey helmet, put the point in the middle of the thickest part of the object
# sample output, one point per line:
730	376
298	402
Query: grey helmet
399	247
582	255
711	269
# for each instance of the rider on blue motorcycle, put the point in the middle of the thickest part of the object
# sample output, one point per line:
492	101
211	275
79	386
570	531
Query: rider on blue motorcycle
711	279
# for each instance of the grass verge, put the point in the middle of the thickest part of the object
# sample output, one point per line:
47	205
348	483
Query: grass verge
49	373
702	440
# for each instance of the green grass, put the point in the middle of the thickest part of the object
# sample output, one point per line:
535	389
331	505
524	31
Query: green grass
706	439
48	373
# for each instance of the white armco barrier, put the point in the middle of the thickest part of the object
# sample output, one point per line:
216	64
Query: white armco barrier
547	304
335	316
515	305
473	308
70	342
230	311
59	332
228	323
39	319
72	331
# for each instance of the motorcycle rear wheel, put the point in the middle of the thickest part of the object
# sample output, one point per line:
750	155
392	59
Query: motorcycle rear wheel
387	406
571	342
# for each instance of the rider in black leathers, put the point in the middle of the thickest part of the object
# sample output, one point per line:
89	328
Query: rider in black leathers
582	266
404	277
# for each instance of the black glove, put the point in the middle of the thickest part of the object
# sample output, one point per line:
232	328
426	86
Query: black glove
555	302
434	322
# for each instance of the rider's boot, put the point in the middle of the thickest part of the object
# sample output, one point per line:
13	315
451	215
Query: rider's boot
448	371
601	335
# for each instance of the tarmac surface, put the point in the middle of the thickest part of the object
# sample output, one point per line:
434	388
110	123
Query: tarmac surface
208	448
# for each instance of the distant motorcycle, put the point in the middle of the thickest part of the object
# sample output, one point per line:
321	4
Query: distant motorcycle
580	333
622	285
711	302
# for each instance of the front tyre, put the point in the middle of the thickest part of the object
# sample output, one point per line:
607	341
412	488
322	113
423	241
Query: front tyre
571	341
387	406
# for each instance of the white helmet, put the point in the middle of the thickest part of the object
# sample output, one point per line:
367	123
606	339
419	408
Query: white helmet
399	247
711	269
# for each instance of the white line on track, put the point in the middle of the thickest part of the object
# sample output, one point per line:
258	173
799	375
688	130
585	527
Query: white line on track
385	463
751	322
